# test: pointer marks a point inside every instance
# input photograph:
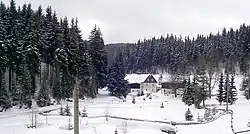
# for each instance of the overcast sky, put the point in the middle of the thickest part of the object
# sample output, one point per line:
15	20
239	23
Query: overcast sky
130	20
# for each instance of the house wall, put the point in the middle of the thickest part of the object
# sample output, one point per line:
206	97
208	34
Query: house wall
150	87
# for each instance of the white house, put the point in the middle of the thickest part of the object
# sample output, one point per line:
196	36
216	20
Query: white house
145	82
161	83
149	84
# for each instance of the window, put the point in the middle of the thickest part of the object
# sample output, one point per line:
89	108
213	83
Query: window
146	85
153	84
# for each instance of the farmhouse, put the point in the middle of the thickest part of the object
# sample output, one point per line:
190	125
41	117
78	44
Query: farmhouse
160	83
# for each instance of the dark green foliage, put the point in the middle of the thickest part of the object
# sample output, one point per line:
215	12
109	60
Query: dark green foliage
133	100
189	93
61	111
84	112
67	110
227	88
117	86
221	91
57	92
183	55
5	101
25	88
232	92
98	57
162	106
43	97
188	115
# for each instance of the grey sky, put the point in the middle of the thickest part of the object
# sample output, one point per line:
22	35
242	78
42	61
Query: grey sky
130	20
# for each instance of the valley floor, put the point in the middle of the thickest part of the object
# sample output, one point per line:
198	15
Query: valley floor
15	121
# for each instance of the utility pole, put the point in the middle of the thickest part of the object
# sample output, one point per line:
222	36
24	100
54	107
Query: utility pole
76	107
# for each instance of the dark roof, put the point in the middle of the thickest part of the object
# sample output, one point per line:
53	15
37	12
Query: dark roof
150	79
172	85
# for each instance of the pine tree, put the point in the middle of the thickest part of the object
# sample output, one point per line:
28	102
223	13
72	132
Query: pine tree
84	112
5	102
162	106
57	92
133	100
189	94
99	58
43	96
221	91
232	92
31	42
226	88
25	89
61	111
116	83
67	110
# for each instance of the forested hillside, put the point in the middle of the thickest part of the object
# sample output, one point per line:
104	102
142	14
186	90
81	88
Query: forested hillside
227	49
41	54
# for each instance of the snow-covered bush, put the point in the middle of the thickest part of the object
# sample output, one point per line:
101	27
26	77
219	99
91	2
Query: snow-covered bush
133	100
188	115
209	114
200	118
162	106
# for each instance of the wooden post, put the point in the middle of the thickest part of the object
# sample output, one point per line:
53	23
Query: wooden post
76	107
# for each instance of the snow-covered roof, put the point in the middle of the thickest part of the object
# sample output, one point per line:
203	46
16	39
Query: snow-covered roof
139	78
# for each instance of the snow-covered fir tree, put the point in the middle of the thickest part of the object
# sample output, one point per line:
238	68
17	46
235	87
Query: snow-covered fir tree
189	94
221	91
98	55
226	88
117	85
232	92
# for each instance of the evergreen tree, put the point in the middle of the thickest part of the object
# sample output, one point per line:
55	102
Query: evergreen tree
99	58
43	98
220	96
31	42
226	88
5	102
188	96
25	89
116	83
67	110
232	92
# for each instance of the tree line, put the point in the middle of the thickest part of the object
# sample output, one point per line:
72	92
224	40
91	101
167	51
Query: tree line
227	49
41	55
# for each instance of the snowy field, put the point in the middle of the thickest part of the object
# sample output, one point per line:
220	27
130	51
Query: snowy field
15	121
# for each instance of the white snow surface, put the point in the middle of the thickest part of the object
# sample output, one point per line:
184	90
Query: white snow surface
15	121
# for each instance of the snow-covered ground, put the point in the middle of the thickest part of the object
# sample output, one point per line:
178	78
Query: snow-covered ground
15	121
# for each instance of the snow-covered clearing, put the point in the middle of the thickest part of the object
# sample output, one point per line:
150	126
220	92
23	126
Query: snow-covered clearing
15	121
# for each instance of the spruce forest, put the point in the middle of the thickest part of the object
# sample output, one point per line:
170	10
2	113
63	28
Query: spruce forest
228	49
41	55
